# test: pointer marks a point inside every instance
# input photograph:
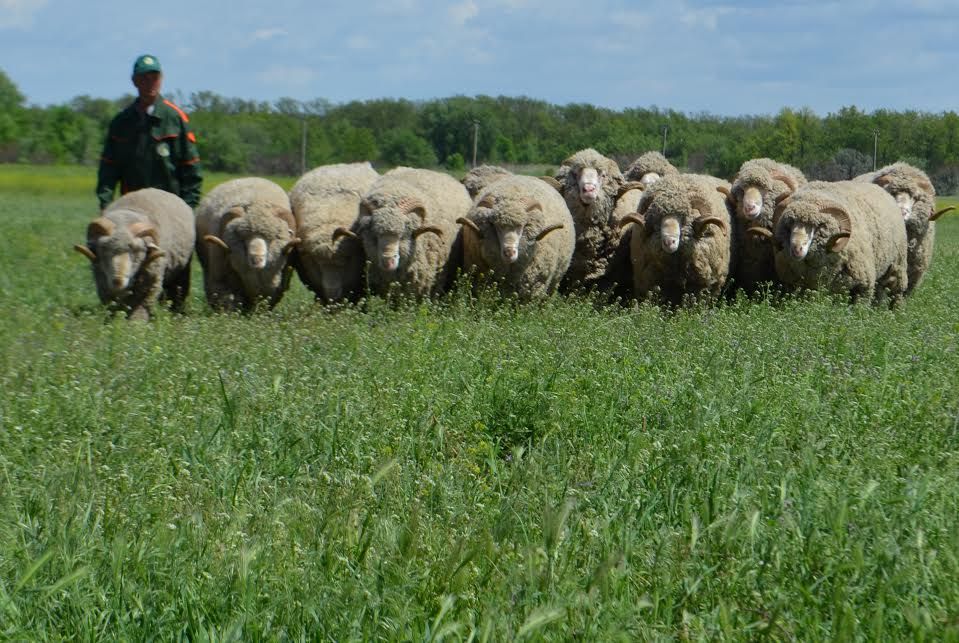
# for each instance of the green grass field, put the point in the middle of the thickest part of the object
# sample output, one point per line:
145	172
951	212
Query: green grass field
468	469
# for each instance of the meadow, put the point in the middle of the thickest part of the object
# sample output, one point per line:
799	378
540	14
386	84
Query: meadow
468	469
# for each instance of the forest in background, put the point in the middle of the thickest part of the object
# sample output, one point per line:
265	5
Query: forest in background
286	136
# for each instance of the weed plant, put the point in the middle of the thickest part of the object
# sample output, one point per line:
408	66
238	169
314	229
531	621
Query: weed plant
471	468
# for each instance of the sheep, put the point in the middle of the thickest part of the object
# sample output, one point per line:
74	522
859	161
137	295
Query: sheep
916	197
244	236
408	227
649	168
845	237
682	240
326	204
755	189
140	248
478	178
520	233
591	184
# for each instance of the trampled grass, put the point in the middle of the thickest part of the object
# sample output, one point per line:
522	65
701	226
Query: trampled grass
470	468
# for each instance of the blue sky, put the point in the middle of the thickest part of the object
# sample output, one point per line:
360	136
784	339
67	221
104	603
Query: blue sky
733	57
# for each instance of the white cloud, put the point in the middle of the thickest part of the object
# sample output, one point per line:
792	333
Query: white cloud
287	76
19	14
268	34
463	12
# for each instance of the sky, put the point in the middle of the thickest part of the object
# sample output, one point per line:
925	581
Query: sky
727	58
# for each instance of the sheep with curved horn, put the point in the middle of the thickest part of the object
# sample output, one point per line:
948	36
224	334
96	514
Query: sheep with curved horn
916	198
758	186
408	227
326	204
845	237
682	239
519	234
140	249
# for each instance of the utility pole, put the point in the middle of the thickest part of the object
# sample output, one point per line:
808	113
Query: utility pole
665	128
475	139
875	149
303	145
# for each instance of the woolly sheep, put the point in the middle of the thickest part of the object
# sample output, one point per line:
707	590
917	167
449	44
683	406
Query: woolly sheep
326	204
479	178
591	183
520	233
682	243
916	197
245	233
408	227
140	248
845	237
649	168
755	189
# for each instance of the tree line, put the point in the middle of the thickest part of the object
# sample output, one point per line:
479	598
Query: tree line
285	136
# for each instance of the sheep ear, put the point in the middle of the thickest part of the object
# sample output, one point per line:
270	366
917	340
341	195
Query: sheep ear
343	232
85	251
548	229
939	213
425	229
216	241
100	227
633	217
469	224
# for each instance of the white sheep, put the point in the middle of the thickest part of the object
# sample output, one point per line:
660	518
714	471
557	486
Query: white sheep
682	240
326	204
591	184
520	234
754	193
916	197
408	227
480	177
845	237
649	168
245	232
140	249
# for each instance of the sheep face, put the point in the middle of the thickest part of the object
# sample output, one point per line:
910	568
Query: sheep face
256	244
802	229
118	254
389	234
751	203
905	202
589	183
670	233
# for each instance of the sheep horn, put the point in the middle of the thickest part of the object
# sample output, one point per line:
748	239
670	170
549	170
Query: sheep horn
154	252
100	227
216	241
469	224
785	178
343	232
233	213
412	204
722	189
425	229
291	245
144	229
782	202
700	225
939	213
551	181
644	207
530	205
697	202
85	251
286	216
759	231
548	229
883	180
630	185
634	217
839	240
486	202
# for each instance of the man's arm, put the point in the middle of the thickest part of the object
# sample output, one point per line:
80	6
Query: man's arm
109	173
189	172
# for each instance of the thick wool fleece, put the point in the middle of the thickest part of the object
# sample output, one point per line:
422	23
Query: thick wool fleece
649	162
756	262
479	178
230	281
871	266
920	229
428	263
701	265
540	264
165	277
598	234
324	200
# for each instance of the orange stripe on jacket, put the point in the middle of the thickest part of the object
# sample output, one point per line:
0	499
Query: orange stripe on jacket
186	119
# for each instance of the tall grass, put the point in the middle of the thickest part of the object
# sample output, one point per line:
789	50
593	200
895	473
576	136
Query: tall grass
470	468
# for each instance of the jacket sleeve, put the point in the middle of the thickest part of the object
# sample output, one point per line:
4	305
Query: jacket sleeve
108	173
188	170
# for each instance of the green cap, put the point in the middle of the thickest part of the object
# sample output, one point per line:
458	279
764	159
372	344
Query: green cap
146	63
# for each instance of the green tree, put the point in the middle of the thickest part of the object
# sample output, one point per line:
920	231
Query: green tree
404	147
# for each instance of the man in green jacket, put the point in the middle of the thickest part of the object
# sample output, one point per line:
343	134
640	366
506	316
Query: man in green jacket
150	143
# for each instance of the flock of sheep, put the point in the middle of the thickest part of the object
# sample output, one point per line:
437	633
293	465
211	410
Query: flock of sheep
651	232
